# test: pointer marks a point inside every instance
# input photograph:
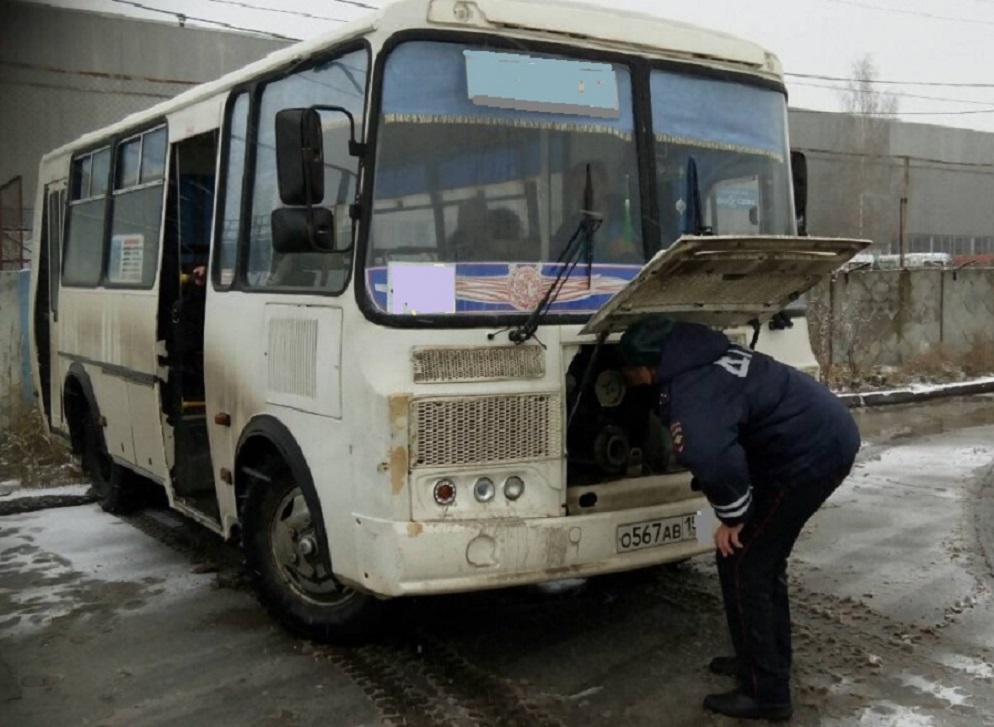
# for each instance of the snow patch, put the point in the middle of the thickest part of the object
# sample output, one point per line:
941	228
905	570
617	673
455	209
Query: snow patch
951	695
973	667
21	493
885	714
102	561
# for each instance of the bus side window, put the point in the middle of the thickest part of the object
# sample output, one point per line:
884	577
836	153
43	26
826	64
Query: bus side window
137	211
340	82
83	255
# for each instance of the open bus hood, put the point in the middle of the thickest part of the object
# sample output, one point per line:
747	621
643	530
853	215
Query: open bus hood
724	281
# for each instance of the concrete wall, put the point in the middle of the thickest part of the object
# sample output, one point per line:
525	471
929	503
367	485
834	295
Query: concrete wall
891	317
66	72
15	370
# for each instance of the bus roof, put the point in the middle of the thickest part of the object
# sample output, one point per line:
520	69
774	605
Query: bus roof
603	27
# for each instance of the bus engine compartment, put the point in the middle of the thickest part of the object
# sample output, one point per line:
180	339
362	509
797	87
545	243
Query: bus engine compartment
613	432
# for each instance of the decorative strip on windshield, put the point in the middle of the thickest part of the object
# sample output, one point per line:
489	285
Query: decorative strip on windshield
718	146
507	121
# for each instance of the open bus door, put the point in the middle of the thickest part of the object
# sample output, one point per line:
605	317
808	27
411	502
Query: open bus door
46	301
182	308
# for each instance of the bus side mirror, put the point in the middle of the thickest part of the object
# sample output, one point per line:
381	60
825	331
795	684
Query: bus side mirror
303	229
799	175
300	156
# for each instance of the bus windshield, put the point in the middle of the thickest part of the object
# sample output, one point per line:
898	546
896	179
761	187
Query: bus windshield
728	140
484	159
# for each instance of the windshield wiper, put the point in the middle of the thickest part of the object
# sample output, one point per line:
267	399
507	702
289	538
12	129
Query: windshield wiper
696	225
580	244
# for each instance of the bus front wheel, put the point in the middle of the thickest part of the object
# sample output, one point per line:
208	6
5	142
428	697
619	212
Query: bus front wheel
291	568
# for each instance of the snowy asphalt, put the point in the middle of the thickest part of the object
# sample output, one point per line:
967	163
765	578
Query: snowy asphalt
144	621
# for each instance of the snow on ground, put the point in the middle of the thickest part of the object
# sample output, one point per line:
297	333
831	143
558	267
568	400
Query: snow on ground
920	388
11	490
886	714
48	558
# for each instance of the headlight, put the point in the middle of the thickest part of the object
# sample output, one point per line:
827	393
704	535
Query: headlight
445	492
514	487
484	489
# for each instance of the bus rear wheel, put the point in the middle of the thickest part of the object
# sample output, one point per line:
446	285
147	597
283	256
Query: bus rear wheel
291	568
115	487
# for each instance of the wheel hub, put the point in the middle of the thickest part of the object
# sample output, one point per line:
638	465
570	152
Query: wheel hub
297	553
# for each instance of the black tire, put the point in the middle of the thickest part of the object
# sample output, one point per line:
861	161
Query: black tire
290	567
116	488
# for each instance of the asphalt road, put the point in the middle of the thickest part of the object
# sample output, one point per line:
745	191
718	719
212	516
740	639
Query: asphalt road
146	620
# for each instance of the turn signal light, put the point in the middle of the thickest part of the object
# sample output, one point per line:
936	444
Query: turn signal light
445	492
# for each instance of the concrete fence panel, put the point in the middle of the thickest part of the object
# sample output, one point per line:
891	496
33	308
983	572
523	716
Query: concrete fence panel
868	318
15	370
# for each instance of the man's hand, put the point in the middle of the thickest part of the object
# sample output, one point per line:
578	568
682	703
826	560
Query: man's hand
726	537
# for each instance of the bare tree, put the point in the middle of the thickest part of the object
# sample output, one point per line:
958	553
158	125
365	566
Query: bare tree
869	186
863	98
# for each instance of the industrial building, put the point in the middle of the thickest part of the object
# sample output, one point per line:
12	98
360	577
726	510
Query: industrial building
914	188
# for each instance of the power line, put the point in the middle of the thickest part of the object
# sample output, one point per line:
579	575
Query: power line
357	4
843	89
820	77
931	16
278	10
895	157
62	87
97	74
930	113
204	20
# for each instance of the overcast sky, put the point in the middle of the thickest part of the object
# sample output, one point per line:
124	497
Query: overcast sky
945	42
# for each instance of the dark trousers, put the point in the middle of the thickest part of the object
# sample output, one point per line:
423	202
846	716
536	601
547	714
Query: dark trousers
754	587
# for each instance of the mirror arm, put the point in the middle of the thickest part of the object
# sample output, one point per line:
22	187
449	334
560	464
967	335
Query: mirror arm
356	148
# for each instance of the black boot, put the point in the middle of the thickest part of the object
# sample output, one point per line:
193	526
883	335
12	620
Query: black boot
741	706
724	666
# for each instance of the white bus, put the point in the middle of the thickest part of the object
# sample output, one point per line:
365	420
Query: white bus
423	233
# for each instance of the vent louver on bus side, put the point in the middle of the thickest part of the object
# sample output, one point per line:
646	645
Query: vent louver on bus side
485	430
292	356
487	363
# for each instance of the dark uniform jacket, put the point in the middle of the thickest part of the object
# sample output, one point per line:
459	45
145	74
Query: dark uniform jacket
742	421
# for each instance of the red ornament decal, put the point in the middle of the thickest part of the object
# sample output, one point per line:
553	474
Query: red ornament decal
525	286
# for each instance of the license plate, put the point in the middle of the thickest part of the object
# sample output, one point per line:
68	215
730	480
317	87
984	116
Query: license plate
653	533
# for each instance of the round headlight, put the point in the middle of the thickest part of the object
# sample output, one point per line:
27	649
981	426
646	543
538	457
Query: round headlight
514	487
484	489
445	492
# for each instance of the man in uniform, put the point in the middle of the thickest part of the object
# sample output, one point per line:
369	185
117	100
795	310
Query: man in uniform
767	444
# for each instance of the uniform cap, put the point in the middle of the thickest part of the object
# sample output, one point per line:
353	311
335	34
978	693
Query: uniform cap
642	343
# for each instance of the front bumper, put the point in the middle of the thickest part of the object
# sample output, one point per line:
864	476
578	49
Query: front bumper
415	558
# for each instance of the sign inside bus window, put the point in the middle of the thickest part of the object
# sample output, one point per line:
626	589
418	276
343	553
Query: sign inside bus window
127	258
550	85
424	288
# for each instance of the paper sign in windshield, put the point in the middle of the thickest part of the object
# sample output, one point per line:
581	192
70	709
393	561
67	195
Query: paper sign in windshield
421	288
550	85
127	258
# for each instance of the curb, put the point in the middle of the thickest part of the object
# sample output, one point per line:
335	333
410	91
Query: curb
23	505
908	396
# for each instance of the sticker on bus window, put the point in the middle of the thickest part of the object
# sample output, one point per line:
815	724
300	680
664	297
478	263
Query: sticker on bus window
421	288
550	85
127	258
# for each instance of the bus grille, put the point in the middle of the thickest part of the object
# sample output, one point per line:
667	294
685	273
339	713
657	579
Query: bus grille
485	430
447	365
